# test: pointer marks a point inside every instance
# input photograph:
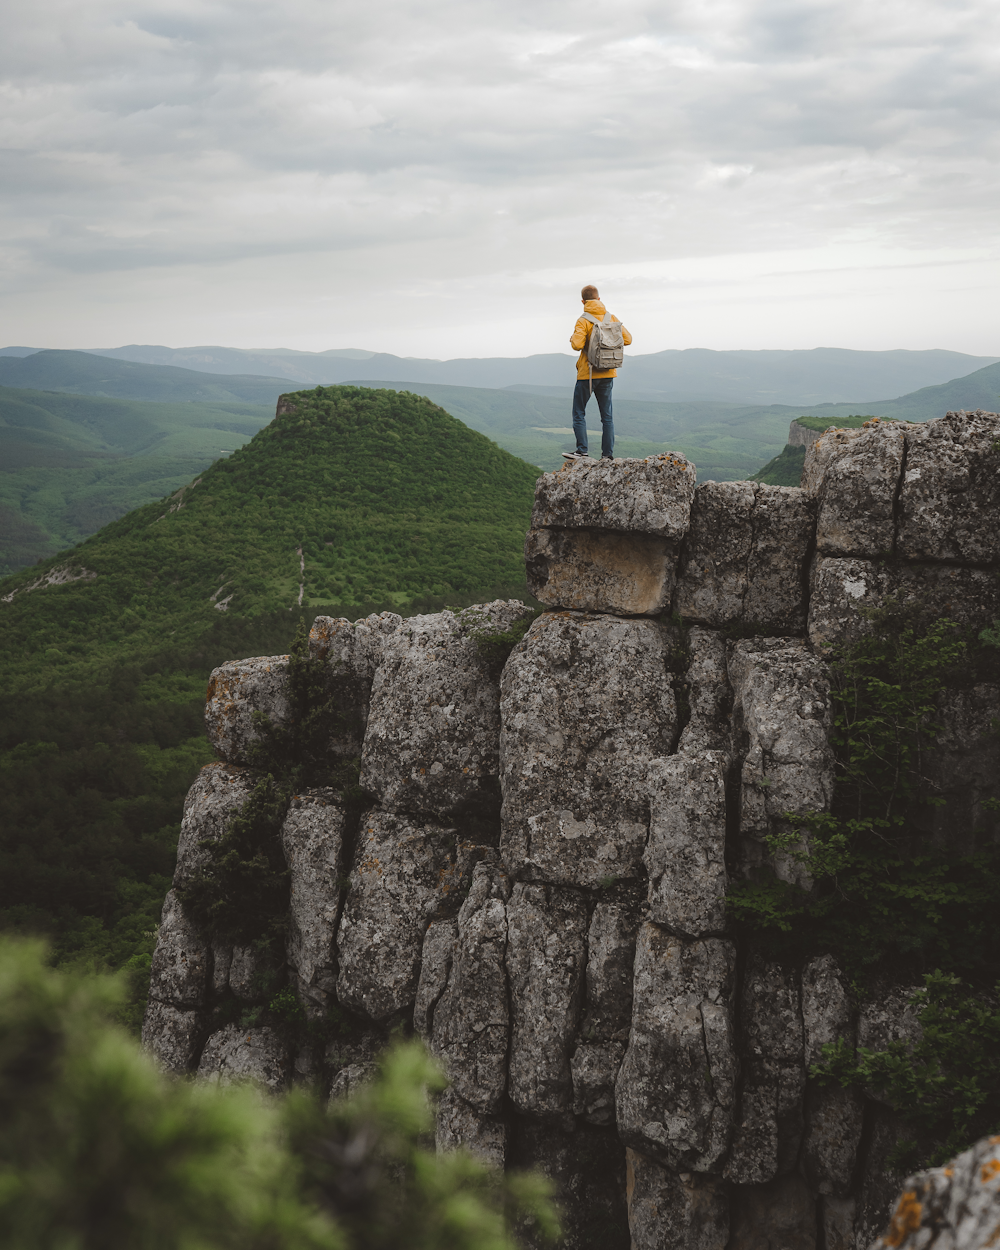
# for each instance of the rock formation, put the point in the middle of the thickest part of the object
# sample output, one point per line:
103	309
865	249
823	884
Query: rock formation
539	887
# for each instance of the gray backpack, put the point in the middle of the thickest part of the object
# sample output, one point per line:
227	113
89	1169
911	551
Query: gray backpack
605	347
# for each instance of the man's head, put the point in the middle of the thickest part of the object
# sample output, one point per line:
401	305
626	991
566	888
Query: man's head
589	292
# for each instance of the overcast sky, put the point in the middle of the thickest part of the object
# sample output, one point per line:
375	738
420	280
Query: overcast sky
439	178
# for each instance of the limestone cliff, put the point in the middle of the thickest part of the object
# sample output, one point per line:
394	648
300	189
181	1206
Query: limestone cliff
539	887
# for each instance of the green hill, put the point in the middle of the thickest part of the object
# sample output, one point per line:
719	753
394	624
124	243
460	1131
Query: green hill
352	500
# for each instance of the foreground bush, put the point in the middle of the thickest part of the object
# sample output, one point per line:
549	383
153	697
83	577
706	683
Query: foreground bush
99	1151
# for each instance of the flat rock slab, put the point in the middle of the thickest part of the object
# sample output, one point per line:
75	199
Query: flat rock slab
685	856
855	477
950	497
844	588
312	837
234	1054
955	1207
432	745
746	557
401	879
235	691
218	793
650	496
586	703
594	570
676	1090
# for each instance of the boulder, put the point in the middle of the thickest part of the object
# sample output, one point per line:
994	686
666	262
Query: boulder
674	1211
586	703
182	959
432	744
842	588
235	1054
401	878
235	691
676	1089
708	694
951	489
600	570
312	837
546	957
461	1005
955	1207
219	791
781	722
650	496
173	1036
459	1126
745	558
855	477
769	1122
685	854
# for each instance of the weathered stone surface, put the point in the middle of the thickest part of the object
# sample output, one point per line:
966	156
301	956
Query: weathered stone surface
402	875
708	694
237	1054
880	1183
956	1207
353	650
594	1068
600	571
650	496
586	703
770	1119
349	1080
222	962
587	1168
459	1126
685	854
834	1120
841	587
777	1216
312	837
951	485
826	1008
433	740
855	476
254	975
837	1217
235	691
218	792
546	956
745	557
182	958
461	1006
671	1211
172	1035
781	722
682	1013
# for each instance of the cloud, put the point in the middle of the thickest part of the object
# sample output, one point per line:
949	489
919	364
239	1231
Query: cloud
190	170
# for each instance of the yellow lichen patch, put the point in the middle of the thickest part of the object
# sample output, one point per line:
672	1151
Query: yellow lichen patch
905	1219
990	1170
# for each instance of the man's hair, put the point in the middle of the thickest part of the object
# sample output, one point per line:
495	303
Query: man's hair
590	292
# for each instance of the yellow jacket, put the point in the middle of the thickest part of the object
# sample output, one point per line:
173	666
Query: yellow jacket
581	334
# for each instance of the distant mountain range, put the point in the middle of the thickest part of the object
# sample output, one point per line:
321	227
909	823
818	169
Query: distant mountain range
761	378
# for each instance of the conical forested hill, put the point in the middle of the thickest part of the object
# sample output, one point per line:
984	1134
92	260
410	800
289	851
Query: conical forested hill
351	499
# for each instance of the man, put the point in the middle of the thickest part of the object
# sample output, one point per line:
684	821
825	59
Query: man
602	382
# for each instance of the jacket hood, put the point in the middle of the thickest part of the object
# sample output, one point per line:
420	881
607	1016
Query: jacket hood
595	307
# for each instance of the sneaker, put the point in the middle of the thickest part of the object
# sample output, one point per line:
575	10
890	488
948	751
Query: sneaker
577	455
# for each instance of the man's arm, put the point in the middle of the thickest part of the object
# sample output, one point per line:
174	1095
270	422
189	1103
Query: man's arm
579	335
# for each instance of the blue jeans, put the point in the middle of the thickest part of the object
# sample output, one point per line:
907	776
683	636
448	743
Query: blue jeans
602	393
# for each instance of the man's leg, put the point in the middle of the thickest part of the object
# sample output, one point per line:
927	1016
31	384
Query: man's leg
581	394
602	389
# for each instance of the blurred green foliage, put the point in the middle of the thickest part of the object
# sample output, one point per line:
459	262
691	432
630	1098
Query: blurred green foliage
99	1151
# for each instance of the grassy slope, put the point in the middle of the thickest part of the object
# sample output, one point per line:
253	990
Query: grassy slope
390	500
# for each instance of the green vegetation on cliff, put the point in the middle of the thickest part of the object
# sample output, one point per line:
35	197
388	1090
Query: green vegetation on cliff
353	500
784	470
